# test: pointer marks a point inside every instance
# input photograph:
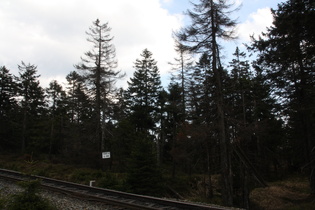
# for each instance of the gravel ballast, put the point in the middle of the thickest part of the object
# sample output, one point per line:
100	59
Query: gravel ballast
61	201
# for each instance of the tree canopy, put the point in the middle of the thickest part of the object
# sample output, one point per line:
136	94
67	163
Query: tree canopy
235	125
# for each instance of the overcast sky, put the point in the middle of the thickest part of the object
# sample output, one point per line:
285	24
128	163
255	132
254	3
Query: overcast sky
51	33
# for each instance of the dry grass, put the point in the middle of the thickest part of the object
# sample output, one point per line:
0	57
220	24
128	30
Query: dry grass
289	194
292	193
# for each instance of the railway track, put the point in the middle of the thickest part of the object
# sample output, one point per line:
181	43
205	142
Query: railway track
112	197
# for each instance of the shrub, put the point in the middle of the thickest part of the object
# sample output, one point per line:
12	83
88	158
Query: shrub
29	199
2	203
111	181
144	176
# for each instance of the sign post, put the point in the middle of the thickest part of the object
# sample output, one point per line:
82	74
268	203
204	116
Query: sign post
106	163
105	155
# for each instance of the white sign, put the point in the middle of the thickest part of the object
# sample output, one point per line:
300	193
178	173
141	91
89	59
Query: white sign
105	155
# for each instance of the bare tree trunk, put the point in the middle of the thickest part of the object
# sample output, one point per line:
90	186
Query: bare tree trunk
227	191
23	140
244	186
209	188
52	130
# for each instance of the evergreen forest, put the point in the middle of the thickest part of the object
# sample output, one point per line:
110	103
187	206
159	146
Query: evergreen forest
241	123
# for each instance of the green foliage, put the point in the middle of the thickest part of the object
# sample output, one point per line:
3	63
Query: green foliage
29	198
123	140
8	110
143	92
3	201
111	181
144	176
98	70
180	184
286	59
85	175
266	109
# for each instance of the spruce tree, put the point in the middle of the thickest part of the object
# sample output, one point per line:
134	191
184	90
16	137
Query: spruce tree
78	101
81	122
8	109
58	115
143	93
7	91
211	22
32	103
144	176
180	70
286	57
98	69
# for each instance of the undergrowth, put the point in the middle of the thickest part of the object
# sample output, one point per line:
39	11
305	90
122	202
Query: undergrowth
291	193
28	199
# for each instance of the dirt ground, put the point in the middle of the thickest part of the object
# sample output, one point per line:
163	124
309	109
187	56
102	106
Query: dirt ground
289	194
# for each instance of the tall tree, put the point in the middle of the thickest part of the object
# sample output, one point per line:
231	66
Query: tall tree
173	121
98	68
211	22
143	96
32	101
143	92
144	176
7	91
286	54
81	133
180	68
240	95
57	107
78	102
8	106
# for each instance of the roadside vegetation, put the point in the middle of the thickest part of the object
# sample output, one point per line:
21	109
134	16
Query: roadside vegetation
288	193
27	199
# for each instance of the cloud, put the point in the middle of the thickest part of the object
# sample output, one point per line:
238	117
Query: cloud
51	33
256	23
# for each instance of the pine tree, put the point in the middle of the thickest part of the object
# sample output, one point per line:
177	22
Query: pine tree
173	121
239	93
286	56
144	176
211	22
32	102
7	91
143	93
57	107
180	69
98	68
204	115
78	102
81	125
8	109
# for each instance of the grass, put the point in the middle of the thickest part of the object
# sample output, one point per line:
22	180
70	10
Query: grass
289	194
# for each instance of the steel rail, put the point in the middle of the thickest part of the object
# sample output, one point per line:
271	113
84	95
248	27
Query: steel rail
112	197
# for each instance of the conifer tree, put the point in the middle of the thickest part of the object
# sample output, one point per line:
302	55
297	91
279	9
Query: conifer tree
32	101
143	93
80	112
144	176
7	91
78	102
98	69
286	56
180	70
57	106
211	22
8	109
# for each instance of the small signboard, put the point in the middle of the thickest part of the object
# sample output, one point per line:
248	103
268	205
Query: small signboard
105	155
